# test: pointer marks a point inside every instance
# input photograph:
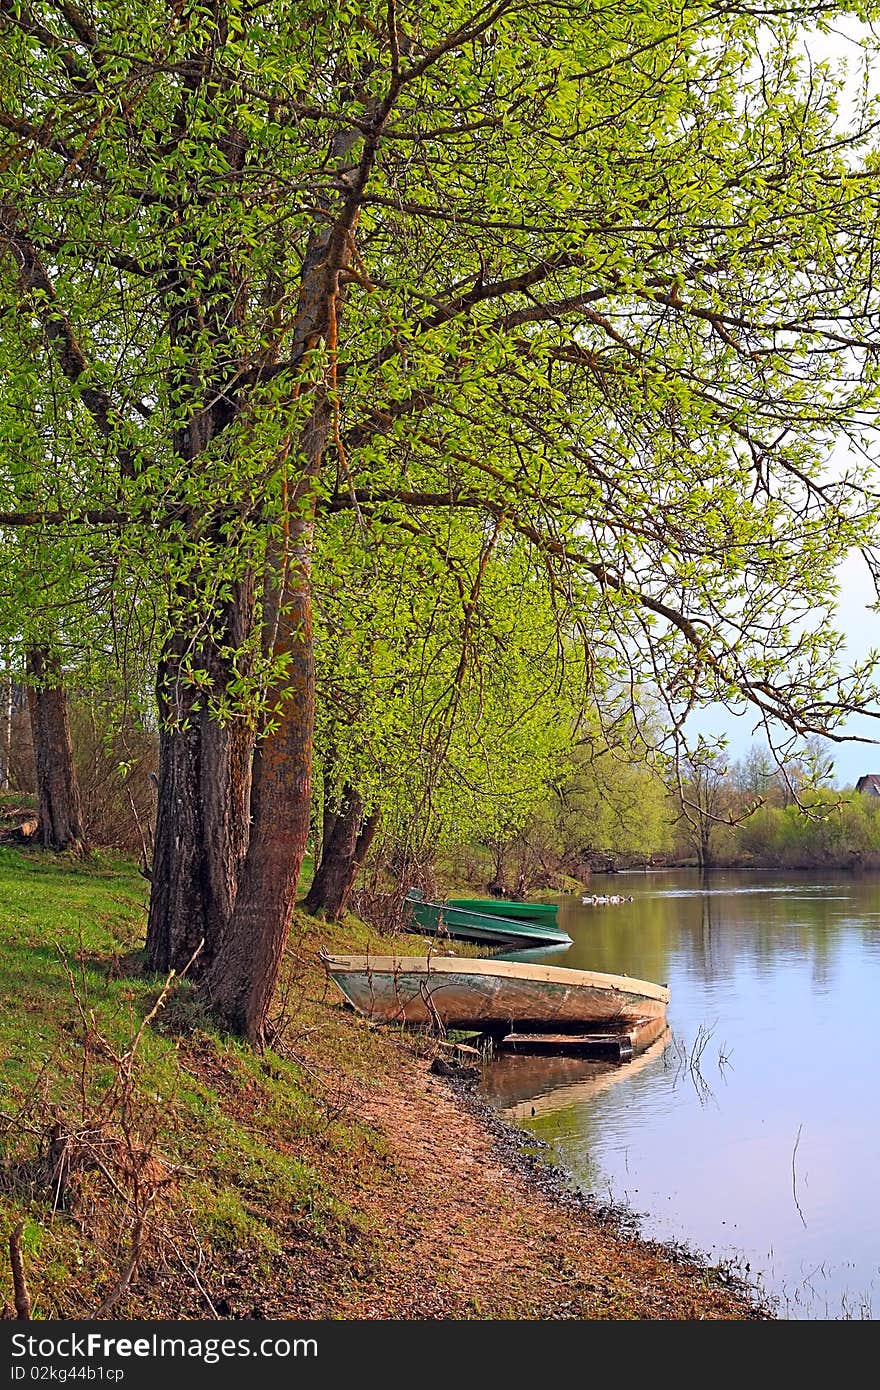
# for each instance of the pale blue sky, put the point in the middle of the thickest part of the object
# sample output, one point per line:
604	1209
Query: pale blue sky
861	628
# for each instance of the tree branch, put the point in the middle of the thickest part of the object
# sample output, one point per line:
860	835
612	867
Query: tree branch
35	281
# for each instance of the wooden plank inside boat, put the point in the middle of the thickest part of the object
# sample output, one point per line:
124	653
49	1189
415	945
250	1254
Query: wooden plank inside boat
618	1044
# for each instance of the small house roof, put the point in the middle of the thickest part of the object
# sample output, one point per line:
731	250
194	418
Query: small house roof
870	782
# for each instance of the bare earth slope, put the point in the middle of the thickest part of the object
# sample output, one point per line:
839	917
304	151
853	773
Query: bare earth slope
462	1227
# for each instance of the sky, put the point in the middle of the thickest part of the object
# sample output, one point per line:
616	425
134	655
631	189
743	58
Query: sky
859	625
861	630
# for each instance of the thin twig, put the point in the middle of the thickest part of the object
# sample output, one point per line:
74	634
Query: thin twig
794	1176
124	1279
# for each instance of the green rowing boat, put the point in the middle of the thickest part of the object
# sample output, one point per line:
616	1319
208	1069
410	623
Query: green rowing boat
463	924
500	907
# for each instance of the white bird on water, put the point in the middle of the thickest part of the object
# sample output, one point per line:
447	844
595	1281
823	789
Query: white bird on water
598	899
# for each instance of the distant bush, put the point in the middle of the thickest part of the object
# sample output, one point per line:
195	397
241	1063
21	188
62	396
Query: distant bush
832	830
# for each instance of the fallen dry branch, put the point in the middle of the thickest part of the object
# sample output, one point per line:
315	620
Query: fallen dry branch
135	1250
19	1282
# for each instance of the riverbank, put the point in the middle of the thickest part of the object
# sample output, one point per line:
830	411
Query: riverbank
160	1170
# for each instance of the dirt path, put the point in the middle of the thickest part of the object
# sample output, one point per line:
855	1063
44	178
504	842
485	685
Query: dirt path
463	1230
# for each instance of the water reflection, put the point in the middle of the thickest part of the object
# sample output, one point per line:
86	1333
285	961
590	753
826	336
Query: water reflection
522	1086
753	1131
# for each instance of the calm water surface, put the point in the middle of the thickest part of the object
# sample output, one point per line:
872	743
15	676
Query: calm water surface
751	1133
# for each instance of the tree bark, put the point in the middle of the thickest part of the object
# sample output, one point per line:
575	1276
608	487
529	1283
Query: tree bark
342	854
8	699
202	811
60	805
329	817
366	837
241	980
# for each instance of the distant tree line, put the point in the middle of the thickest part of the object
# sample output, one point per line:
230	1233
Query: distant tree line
757	811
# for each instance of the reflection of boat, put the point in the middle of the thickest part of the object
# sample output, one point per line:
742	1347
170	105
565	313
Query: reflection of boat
493	995
522	1086
531	953
488	928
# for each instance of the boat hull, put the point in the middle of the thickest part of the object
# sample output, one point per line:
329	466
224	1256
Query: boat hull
492	995
544	913
462	924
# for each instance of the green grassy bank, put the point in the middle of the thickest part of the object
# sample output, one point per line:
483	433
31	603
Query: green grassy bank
167	1146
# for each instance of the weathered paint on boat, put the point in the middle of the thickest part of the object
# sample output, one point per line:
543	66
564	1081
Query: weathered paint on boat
462	924
491	994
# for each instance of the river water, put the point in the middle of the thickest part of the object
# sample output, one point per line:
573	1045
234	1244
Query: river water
750	1133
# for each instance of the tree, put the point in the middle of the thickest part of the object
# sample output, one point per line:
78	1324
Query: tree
348	835
438	706
603	280
753	775
811	769
58	796
704	790
612	801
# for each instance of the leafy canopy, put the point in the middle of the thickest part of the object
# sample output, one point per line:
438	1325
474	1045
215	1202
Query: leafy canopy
602	277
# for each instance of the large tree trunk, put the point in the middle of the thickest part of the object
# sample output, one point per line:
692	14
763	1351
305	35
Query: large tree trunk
241	980
202	811
6	753
343	852
60	806
204	765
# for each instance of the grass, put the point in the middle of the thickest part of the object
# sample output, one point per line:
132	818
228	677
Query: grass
155	1168
248	1147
